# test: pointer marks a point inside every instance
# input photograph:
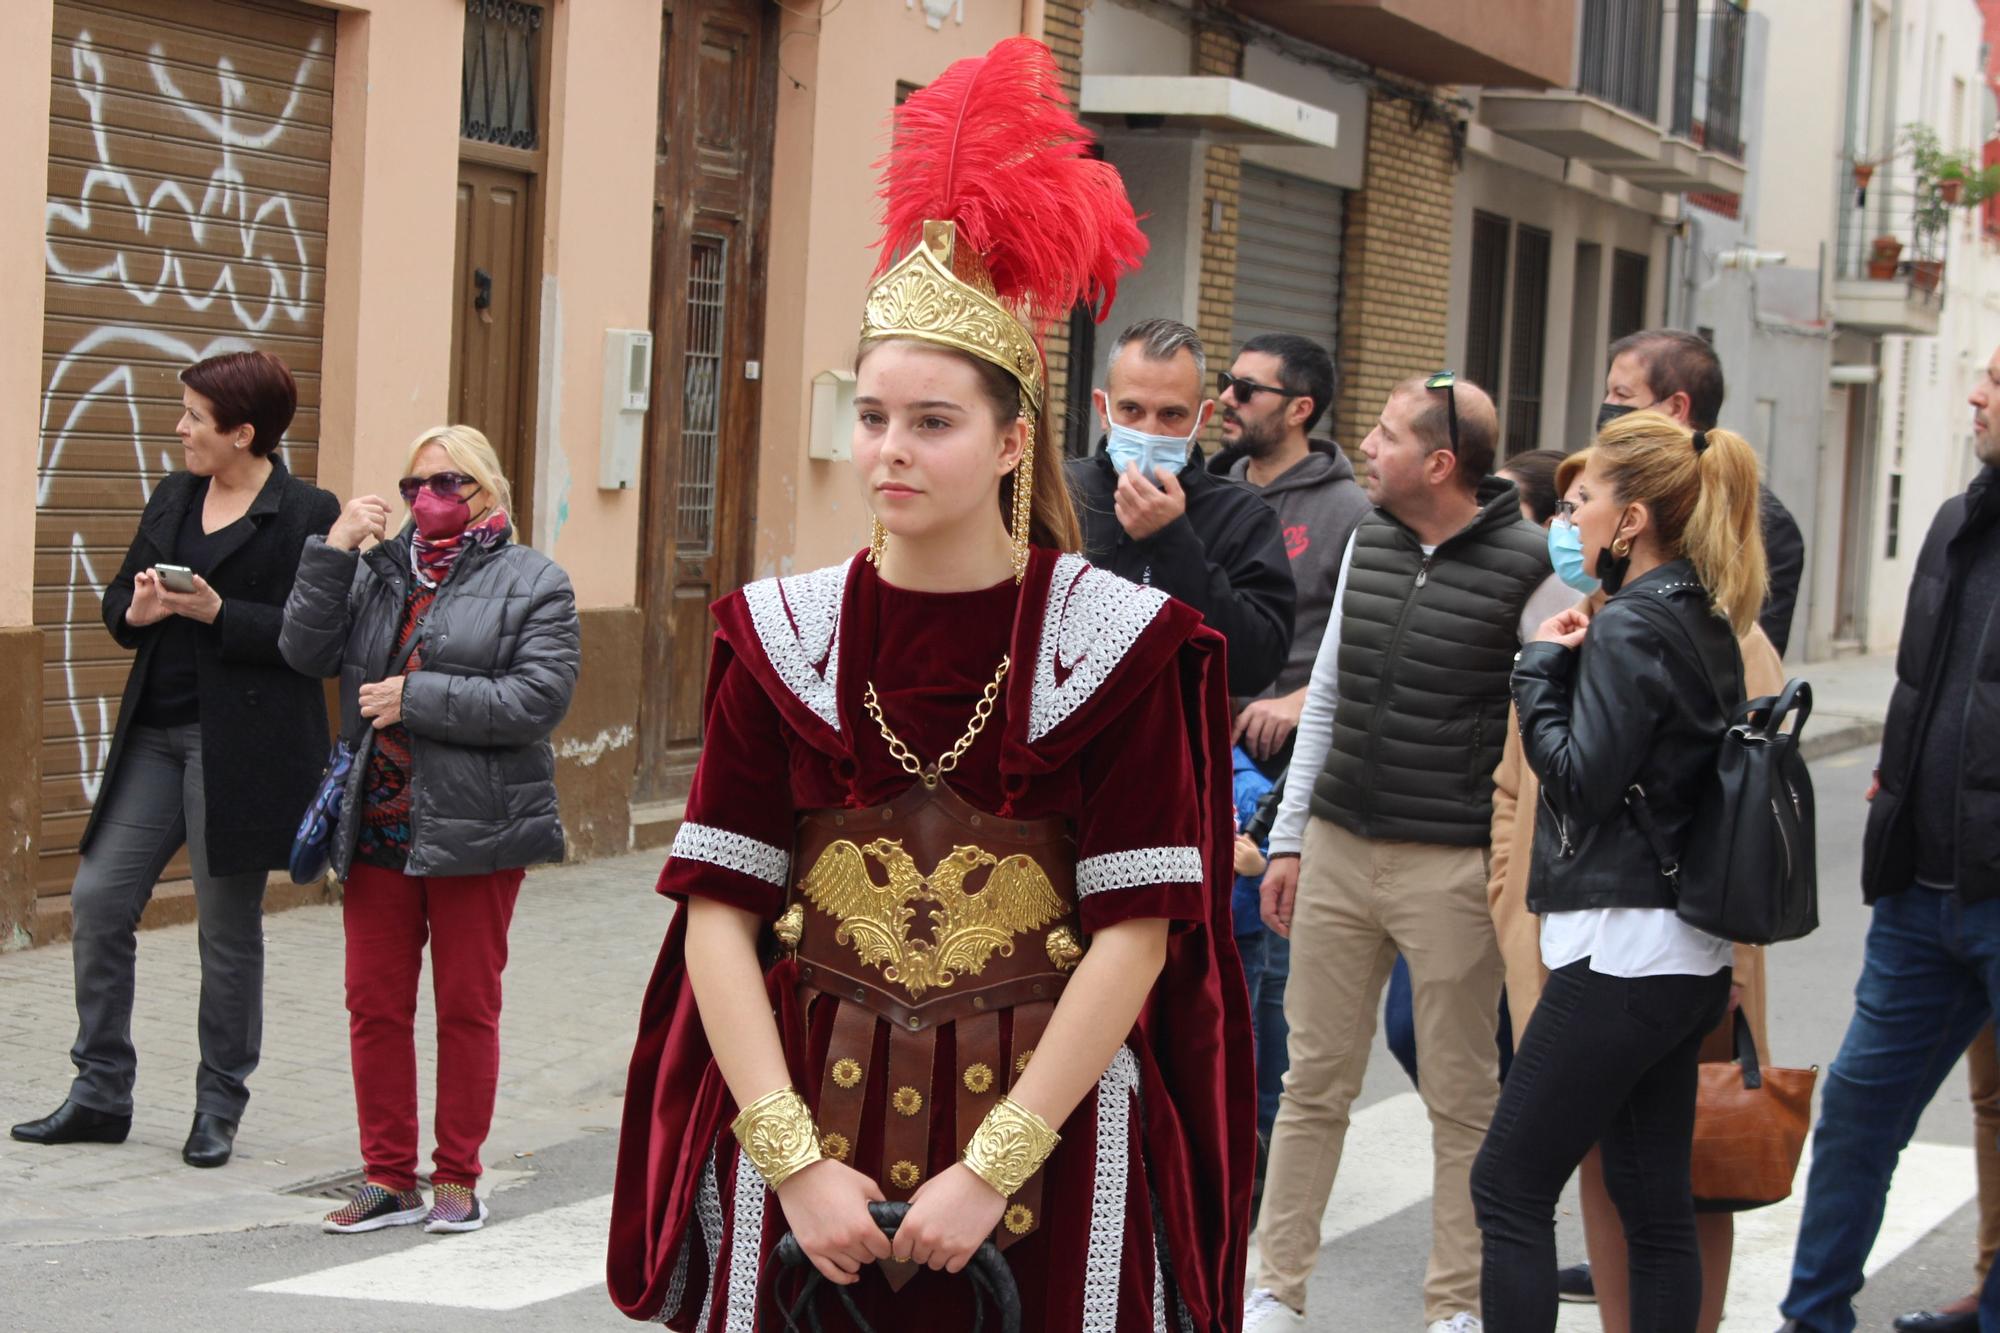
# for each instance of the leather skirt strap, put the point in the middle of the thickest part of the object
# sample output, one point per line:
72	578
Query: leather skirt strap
843	1087
1024	1210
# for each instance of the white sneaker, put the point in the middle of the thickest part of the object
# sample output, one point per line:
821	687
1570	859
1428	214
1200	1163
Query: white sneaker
1463	1322
1265	1313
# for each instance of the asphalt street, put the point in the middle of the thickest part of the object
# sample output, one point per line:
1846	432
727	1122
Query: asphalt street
539	1262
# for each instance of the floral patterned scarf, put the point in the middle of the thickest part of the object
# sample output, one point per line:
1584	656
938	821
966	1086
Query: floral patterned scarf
431	561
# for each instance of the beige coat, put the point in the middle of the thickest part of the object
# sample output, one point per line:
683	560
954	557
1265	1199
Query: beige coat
1516	792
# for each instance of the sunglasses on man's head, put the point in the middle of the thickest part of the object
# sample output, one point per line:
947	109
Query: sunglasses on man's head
1446	379
444	485
1247	390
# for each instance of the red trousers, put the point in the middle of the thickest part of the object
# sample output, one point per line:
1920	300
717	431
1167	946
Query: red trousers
388	916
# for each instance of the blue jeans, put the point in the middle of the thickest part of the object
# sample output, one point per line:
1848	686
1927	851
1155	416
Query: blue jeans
1267	962
1930	979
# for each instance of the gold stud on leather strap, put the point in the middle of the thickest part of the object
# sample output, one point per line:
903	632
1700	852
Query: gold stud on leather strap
777	1134
846	1072
1019	1219
1010	1145
907	1100
978	1077
905	1175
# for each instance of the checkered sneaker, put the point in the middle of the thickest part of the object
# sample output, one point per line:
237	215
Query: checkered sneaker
375	1207
455	1208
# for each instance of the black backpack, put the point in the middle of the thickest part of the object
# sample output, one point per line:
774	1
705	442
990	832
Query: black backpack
1748	872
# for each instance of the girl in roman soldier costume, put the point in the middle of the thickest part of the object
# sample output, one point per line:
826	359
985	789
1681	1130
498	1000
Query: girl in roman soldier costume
956	863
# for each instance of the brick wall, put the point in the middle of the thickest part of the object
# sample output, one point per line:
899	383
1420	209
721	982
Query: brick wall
1396	259
1062	29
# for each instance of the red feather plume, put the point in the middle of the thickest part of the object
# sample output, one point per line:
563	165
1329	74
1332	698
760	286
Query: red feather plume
993	146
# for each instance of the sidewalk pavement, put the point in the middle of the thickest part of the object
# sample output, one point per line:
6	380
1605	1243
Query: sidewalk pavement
1850	701
582	946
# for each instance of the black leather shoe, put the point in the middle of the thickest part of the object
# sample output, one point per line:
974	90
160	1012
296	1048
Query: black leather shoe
211	1140
1937	1321
70	1123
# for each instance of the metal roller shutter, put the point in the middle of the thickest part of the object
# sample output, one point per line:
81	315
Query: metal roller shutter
188	169
1287	259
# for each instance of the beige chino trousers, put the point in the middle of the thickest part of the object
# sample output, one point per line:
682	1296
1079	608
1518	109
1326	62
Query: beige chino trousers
1360	902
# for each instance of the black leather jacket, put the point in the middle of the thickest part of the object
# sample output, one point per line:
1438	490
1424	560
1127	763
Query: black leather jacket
1634	705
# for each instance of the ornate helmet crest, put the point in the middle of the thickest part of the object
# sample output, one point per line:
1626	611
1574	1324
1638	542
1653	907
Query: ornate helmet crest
997	218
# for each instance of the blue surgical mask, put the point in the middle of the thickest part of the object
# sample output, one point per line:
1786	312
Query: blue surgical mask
1566	551
1123	445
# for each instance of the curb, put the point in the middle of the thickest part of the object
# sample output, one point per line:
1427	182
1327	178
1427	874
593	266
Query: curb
1847	733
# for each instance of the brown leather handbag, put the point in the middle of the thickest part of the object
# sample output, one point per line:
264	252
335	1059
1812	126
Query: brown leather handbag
1750	1126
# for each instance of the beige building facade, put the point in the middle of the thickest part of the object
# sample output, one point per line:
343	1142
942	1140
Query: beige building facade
440	210
629	239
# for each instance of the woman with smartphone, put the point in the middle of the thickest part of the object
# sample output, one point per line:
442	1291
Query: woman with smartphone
217	748
457	653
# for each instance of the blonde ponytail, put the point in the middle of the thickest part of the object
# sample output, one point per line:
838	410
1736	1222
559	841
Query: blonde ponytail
1704	503
1724	537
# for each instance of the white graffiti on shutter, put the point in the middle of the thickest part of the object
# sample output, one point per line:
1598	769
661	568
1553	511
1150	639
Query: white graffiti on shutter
262	284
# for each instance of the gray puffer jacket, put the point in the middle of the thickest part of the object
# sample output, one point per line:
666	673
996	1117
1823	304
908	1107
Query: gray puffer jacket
499	654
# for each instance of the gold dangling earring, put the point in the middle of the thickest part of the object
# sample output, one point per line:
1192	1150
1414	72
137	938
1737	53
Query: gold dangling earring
1621	547
1024	505
878	537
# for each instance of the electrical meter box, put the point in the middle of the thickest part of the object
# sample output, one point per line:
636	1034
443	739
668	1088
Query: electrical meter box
628	392
832	433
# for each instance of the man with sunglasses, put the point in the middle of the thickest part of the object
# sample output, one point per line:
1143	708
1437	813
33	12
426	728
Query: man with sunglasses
1271	398
1380	845
1152	513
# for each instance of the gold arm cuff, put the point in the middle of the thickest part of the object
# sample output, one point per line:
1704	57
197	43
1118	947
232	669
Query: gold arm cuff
1010	1145
778	1135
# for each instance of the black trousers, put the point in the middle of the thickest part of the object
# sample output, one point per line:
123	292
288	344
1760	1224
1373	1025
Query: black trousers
1609	1061
157	804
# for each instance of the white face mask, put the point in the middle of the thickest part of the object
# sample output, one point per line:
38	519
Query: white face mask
1123	445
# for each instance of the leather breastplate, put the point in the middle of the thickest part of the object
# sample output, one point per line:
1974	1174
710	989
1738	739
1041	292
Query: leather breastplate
927	910
917	913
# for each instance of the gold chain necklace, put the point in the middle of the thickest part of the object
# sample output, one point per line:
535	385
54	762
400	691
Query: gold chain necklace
949	759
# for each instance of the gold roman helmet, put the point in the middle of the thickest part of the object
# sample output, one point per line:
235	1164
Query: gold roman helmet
941	293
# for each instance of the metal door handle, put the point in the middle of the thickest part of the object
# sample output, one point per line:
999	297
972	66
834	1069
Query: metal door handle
482	282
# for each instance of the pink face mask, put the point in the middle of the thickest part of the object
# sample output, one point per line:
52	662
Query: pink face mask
440	517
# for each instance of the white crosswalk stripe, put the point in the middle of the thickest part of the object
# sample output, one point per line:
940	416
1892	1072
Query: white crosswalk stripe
509	1264
1385	1169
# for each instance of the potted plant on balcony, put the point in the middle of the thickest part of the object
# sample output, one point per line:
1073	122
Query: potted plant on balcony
1930	209
1883	254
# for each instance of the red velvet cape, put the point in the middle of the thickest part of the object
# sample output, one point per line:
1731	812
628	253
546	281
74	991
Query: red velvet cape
1199	1093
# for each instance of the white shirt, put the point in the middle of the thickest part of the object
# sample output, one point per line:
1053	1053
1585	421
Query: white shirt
1315	735
1632	942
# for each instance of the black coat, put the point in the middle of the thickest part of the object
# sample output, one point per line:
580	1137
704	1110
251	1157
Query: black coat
1224	557
1785	555
263	725
1888	850
1637	705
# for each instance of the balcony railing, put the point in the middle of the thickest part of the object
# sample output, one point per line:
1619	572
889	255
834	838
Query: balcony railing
1888	232
1709	59
1620	54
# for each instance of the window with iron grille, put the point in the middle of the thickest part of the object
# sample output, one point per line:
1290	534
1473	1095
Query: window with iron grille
1628	293
1620	56
1527	341
1486	301
498	93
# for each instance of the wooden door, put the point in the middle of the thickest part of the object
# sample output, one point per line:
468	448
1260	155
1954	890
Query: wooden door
489	322
711	193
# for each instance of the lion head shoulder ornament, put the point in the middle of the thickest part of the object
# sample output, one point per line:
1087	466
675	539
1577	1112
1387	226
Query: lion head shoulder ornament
998	219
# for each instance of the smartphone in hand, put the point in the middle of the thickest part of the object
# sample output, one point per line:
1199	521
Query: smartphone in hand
175	578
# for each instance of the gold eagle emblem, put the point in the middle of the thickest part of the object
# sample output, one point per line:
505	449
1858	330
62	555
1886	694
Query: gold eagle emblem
966	928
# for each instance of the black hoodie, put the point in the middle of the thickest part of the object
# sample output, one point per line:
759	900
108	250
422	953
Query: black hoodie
1223	557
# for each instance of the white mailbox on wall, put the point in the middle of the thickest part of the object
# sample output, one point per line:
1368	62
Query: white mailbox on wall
832	435
628	383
